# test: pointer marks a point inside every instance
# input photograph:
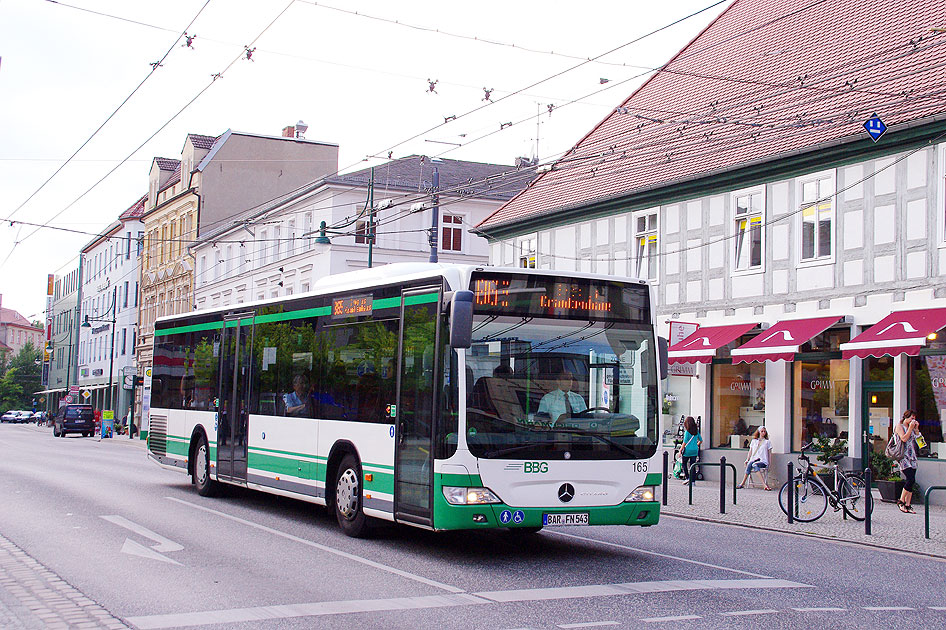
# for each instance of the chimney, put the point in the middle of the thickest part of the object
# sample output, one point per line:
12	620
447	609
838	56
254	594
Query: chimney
524	161
289	132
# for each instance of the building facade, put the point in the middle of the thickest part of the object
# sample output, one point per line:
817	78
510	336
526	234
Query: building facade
799	263
275	251
215	179
110	310
64	322
16	331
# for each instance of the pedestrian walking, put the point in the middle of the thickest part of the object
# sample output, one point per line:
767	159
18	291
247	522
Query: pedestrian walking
908	432
758	458
690	449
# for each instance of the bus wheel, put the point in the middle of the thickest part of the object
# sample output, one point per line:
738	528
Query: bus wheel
351	518
206	487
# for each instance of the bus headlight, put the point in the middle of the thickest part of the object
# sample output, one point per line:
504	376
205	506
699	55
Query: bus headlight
641	493
469	496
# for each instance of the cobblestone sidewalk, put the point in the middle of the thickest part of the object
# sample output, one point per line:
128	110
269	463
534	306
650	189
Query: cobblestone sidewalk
32	596
756	508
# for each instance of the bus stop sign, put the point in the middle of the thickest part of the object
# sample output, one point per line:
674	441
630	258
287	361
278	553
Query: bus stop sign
875	127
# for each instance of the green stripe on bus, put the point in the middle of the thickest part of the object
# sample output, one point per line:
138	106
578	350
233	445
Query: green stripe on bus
380	482
191	328
290	453
392	302
281	317
653	479
425	298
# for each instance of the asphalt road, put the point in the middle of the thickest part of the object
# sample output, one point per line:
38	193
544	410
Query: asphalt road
140	542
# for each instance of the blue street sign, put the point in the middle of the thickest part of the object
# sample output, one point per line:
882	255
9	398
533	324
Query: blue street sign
875	127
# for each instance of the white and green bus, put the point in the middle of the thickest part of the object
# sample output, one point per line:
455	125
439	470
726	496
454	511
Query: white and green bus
440	396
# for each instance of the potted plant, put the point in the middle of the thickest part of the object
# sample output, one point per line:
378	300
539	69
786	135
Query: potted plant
884	471
828	448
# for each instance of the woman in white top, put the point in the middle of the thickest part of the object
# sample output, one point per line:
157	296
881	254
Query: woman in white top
758	459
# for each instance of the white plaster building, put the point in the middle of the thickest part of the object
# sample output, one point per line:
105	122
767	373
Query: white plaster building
110	292
272	251
790	250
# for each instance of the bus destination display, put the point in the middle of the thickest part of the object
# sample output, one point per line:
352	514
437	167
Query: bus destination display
352	306
551	297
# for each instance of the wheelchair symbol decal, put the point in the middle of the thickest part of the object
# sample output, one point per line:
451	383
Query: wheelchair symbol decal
518	516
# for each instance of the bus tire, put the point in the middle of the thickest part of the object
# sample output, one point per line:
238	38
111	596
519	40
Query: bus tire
206	487
348	498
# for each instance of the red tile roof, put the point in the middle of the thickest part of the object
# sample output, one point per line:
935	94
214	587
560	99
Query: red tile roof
136	210
201	142
8	317
766	79
167	164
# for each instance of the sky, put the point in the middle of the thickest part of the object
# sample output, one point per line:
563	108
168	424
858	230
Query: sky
357	72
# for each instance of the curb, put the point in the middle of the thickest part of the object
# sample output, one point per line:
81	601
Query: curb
845	541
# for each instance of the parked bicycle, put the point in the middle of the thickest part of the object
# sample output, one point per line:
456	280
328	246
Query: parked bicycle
812	496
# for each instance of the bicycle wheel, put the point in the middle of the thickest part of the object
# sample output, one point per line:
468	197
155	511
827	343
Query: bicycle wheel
811	499
857	481
852	499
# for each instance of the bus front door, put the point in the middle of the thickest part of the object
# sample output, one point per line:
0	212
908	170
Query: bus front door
414	419
234	403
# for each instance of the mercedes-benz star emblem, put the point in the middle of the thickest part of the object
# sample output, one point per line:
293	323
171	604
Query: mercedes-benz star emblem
566	492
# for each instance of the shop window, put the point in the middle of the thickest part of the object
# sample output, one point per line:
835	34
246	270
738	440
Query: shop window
645	238
748	214
928	399
821	400
738	403
817	218
361	232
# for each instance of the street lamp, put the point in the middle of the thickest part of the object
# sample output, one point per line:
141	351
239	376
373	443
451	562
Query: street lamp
111	349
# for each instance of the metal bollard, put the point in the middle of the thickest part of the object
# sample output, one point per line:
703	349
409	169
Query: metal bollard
666	475
722	484
790	499
868	499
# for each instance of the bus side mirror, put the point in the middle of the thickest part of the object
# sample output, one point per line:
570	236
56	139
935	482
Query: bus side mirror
663	367
461	319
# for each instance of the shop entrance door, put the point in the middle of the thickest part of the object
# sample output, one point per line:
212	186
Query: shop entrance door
876	417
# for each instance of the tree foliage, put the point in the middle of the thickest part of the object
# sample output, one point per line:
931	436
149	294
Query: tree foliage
20	377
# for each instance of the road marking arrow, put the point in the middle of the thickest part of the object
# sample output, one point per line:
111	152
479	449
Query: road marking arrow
137	549
131	547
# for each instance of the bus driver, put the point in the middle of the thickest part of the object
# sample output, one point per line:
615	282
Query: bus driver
562	402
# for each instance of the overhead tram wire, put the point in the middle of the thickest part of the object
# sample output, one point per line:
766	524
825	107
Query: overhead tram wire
638	39
154	69
161	128
481	107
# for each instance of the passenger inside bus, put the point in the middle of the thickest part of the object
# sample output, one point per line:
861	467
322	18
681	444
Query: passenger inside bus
297	401
562	402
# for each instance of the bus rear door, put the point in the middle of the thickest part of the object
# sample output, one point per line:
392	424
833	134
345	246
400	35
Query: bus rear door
234	401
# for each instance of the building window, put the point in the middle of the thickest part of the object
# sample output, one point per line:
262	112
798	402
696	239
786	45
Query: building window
748	213
645	239
451	233
928	394
817	213
527	252
361	232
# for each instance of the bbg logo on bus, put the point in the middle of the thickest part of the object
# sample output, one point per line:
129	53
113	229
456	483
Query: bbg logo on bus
535	467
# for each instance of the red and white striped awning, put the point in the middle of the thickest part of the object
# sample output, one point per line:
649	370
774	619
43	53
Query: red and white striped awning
701	346
903	332
782	341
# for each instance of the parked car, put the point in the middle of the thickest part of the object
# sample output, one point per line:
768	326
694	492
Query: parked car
38	417
74	419
24	416
9	416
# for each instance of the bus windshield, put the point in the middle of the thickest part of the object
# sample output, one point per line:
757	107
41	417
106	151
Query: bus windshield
545	388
